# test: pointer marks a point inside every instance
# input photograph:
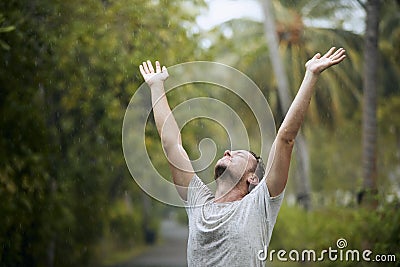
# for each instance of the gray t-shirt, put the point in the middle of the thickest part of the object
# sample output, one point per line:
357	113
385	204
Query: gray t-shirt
229	234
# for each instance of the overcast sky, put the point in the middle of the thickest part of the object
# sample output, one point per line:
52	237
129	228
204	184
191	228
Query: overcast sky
223	10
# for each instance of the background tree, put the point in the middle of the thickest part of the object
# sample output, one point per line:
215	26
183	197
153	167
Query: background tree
370	100
303	184
241	43
66	81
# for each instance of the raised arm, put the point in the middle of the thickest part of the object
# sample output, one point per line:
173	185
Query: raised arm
180	165
280	155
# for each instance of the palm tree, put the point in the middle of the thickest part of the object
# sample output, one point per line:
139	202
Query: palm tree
370	99
298	42
303	184
241	43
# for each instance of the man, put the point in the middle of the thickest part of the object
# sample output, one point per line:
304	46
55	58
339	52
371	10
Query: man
230	228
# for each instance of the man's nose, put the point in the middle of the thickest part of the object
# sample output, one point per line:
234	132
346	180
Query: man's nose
227	153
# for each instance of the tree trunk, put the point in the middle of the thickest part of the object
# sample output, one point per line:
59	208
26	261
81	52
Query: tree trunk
369	147
302	157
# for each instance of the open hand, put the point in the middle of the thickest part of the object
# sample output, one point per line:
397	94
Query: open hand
318	64
150	76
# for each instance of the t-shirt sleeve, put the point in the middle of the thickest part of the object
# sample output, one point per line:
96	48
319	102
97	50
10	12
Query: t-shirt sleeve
268	205
198	193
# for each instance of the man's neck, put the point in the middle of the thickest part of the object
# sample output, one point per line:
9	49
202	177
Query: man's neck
227	192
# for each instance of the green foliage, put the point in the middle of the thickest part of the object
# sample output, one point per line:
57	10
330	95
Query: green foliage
66	80
122	220
320	229
330	151
4	29
67	72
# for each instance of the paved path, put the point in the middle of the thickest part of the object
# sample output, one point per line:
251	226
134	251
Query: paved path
170	253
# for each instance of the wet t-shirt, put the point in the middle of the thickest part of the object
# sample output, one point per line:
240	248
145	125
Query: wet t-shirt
229	234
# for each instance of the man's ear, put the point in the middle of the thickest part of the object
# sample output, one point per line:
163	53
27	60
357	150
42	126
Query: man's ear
253	179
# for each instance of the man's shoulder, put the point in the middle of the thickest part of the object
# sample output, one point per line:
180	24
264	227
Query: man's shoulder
198	192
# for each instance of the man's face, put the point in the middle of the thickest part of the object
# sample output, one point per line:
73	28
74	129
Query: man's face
236	164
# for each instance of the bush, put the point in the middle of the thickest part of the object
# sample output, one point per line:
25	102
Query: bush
375	230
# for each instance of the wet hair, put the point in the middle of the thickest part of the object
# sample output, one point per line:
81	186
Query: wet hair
260	169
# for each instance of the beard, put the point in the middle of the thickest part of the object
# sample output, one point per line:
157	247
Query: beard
224	173
219	170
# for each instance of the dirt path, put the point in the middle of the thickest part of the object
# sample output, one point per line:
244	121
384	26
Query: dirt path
170	253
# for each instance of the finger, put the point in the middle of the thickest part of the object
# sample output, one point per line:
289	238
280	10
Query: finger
164	69
142	70
337	53
317	56
150	66
146	69
341	53
158	68
330	52
338	60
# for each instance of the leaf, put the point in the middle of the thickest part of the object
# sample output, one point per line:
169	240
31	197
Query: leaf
4	45
7	29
